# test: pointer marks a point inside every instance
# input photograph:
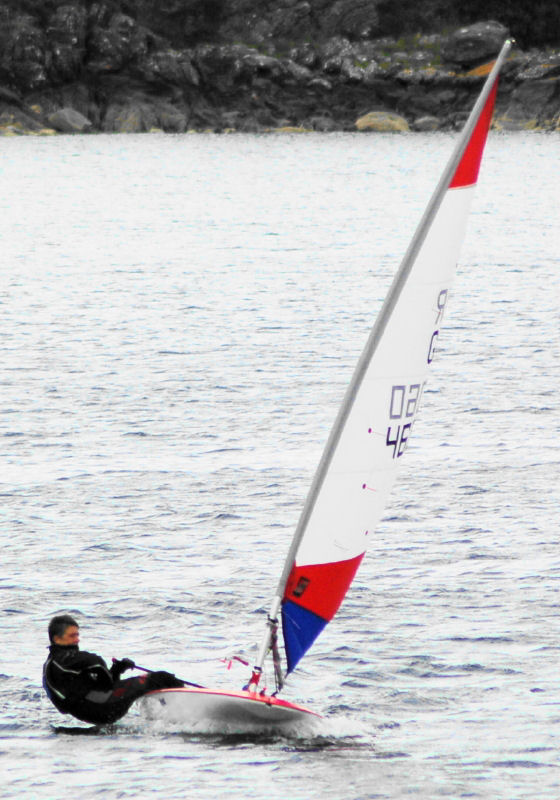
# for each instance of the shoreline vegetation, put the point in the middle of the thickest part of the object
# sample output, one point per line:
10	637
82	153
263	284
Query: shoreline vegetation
288	66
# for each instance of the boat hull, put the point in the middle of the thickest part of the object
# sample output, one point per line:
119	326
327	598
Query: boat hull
219	709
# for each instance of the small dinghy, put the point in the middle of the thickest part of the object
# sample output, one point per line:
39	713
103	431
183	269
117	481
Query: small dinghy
351	486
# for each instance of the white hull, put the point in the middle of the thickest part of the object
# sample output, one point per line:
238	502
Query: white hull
222	711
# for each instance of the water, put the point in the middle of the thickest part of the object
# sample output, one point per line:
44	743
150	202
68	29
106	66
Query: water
180	317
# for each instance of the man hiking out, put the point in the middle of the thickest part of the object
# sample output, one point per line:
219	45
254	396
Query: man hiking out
81	684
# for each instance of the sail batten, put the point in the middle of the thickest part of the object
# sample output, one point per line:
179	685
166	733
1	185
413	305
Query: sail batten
350	488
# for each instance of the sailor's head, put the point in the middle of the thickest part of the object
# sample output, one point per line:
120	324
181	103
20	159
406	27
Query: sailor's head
64	630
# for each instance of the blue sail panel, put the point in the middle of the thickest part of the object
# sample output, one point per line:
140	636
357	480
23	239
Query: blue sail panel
300	627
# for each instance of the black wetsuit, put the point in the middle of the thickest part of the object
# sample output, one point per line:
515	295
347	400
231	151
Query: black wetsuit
80	683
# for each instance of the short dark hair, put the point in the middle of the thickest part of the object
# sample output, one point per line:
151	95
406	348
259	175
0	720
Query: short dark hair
58	625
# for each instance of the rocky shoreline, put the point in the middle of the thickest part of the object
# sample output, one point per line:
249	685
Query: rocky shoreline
108	73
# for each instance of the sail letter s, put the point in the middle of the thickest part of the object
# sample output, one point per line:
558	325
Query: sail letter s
307	607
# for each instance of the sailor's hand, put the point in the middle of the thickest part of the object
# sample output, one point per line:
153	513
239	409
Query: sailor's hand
164	680
120	665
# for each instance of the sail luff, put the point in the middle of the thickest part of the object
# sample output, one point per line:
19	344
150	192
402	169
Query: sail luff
447	178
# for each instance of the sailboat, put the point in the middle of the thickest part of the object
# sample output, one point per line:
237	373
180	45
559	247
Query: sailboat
357	470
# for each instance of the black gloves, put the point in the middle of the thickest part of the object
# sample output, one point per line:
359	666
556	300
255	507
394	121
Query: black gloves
164	680
121	665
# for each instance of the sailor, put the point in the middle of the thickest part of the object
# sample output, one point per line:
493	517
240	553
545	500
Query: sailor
80	683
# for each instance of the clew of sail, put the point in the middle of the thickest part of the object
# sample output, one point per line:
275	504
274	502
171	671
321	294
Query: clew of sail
358	467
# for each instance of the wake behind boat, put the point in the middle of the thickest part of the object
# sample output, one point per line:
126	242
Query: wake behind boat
351	486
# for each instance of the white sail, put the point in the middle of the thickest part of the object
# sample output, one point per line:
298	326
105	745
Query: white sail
358	468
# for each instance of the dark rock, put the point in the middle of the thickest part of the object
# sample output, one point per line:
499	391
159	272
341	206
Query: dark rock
20	120
354	18
220	66
9	96
282	22
184	22
266	21
417	102
337	47
171	119
306	55
113	45
474	44
533	104
138	65
323	124
548	67
72	95
169	67
23	48
66	34
457	119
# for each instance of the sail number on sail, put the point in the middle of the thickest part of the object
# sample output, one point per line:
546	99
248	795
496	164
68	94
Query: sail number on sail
404	402
405	399
441	303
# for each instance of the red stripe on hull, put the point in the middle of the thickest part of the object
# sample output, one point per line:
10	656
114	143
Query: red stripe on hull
466	173
320	588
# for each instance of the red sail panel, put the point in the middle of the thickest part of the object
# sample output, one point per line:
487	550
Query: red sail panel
466	173
320	588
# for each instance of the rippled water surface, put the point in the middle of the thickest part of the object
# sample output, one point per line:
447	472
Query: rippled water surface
180	317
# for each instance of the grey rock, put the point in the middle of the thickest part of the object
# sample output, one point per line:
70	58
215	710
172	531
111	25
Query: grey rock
321	83
134	116
68	120
324	124
299	73
427	123
370	73
260	64
351	72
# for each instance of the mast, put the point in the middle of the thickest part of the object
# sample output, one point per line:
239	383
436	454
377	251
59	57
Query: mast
372	343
